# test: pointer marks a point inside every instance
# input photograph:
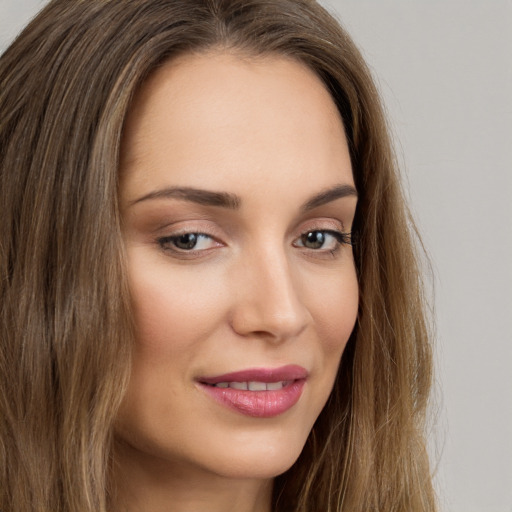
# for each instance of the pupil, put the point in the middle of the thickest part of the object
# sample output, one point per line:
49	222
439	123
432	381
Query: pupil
313	239
187	241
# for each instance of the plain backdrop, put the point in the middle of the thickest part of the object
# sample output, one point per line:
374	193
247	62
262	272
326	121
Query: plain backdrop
444	69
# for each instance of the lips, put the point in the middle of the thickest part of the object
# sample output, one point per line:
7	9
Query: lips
257	392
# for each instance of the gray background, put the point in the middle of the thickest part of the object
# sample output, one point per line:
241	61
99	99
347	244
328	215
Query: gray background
445	72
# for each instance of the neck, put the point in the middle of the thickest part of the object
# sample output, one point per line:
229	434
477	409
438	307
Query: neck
156	485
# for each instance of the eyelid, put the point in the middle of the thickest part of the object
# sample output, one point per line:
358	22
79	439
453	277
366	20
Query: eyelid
182	227
167	232
169	225
174	237
333	227
321	224
341	238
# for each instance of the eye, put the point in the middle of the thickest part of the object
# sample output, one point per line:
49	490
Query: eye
326	240
187	242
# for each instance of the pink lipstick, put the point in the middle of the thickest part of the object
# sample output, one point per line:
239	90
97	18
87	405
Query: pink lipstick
257	392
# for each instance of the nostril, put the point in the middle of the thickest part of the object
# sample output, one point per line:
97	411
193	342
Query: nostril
248	321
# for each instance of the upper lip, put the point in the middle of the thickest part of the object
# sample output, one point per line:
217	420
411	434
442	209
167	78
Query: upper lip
283	373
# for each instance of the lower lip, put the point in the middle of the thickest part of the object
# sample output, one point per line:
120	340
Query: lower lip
258	404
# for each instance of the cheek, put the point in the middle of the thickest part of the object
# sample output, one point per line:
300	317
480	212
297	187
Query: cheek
169	306
336	311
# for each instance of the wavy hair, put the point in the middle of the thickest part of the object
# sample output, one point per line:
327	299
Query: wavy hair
66	84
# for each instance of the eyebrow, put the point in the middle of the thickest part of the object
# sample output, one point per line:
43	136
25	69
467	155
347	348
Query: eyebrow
194	195
329	195
233	202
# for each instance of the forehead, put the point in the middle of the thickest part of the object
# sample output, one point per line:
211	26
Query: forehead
204	118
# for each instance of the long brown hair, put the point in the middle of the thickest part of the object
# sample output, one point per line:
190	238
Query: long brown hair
65	339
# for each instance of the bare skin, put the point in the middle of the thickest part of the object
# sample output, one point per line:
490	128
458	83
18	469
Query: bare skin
153	487
238	199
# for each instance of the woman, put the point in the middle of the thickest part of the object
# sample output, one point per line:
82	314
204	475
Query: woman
210	296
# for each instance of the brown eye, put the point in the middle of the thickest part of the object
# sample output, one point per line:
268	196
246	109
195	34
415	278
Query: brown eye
313	239
186	242
323	240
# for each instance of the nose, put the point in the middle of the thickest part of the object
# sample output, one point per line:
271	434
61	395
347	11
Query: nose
267	300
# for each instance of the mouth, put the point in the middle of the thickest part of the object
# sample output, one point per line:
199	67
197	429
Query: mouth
257	392
253	385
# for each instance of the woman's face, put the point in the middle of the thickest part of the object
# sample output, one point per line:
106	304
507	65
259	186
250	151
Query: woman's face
238	199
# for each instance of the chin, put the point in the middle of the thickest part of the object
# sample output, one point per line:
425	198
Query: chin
264	457
257	466
261	453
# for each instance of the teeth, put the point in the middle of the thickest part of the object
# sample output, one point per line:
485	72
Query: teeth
272	386
257	386
253	385
238	385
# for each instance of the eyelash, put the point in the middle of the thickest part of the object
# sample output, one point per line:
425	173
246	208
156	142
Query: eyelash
341	238
172	239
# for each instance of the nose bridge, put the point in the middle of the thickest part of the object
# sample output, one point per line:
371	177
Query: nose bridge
270	302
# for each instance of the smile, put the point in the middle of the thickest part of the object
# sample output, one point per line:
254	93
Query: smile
259	392
253	385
